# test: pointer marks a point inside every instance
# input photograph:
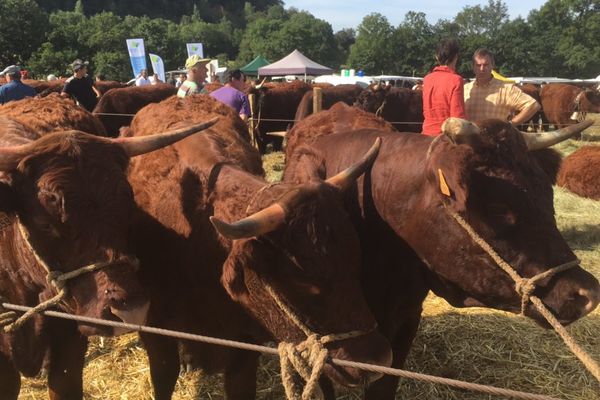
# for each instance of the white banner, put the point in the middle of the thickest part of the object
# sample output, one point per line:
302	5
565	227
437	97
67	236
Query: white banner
137	55
195	48
158	66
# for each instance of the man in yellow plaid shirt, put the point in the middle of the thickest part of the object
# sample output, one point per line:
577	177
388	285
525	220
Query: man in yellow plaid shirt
488	97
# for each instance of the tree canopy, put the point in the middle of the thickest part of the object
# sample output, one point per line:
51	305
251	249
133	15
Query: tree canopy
558	39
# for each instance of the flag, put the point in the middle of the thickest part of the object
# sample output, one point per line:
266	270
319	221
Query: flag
195	48
158	66
137	55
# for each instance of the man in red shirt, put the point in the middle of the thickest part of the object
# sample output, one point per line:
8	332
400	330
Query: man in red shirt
443	89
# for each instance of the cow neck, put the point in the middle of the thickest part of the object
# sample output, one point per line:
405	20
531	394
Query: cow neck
523	286
55	278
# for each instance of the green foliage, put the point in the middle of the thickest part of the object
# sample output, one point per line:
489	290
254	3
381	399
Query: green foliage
22	30
372	52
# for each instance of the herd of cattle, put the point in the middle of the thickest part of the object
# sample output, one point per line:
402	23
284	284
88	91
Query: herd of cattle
193	238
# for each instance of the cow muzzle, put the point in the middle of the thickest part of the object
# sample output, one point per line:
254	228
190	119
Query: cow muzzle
133	316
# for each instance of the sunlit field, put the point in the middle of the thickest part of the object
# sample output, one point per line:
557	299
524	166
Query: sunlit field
476	345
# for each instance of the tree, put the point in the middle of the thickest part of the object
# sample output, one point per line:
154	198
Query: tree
372	52
22	30
414	43
343	40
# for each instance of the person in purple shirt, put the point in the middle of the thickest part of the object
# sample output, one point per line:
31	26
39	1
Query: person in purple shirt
232	94
14	89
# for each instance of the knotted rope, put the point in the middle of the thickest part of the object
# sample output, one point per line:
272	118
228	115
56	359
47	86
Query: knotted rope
525	288
306	359
57	279
380	109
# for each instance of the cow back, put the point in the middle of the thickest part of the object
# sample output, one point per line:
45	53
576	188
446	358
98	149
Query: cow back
331	95
52	113
580	172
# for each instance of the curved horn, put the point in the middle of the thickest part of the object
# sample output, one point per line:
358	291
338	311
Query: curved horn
344	179
259	223
459	129
135	146
537	141
260	84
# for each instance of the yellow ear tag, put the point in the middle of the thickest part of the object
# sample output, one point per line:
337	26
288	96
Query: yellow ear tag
443	185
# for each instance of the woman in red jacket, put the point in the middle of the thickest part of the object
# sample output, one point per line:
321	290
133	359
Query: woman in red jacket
443	89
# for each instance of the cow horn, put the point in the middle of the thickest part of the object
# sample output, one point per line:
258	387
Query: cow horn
344	179
459	129
261	222
135	146
260	84
537	141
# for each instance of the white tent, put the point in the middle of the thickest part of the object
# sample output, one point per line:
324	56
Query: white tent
294	63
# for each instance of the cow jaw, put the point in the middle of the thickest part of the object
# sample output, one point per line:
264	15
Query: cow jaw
136	316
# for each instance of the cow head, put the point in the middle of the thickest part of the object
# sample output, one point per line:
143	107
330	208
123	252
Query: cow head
372	98
73	206
590	101
485	173
304	248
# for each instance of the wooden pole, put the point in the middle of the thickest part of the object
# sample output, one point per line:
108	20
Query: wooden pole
317	99
251	125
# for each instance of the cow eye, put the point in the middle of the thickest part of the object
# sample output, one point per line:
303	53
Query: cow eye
501	215
53	202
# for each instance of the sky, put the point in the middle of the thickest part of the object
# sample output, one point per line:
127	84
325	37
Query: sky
349	13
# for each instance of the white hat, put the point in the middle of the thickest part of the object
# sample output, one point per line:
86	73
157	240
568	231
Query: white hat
11	69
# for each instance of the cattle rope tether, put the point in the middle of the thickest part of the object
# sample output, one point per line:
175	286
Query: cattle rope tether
379	111
526	286
55	278
307	358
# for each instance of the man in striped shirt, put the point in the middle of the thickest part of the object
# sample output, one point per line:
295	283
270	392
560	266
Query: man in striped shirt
487	97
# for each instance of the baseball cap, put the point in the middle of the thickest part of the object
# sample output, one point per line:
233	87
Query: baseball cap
78	64
193	60
11	69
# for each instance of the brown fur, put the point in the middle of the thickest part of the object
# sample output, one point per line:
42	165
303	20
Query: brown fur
412	245
52	113
128	100
330	96
403	107
276	102
105	86
558	103
203	282
71	193
339	118
580	172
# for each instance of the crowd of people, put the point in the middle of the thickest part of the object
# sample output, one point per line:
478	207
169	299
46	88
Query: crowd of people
445	93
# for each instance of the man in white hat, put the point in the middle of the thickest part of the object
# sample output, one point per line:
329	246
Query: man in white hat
196	75
14	89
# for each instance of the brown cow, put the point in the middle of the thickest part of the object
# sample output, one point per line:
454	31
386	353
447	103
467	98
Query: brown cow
534	91
275	109
405	208
52	113
65	203
105	86
580	172
560	102
331	95
401	106
295	239
128	101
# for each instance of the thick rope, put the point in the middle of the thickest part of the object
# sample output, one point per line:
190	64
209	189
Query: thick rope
305	359
269	350
526	286
55	278
380	109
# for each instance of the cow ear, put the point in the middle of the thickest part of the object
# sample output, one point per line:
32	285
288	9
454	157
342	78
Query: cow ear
232	276
447	172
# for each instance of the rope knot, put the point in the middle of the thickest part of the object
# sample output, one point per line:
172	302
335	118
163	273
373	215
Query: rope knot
54	279
525	287
6	317
304	361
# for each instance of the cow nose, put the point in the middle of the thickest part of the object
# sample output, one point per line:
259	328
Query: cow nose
592	298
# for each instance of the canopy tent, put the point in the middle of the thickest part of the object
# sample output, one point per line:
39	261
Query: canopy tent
294	63
252	67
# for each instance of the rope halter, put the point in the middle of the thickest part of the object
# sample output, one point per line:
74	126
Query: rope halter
523	286
56	279
307	358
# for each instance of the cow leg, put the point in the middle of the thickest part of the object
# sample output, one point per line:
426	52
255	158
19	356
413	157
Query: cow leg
10	379
65	367
163	357
240	376
385	387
